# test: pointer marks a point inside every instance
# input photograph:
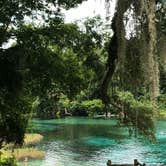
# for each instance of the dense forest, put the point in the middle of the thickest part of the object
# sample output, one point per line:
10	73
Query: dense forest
55	69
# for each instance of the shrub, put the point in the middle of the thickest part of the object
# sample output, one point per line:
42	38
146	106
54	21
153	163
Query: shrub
47	108
93	107
8	162
77	109
138	113
6	159
86	107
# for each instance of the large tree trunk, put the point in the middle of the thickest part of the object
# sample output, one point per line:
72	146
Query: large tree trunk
152	59
110	67
117	48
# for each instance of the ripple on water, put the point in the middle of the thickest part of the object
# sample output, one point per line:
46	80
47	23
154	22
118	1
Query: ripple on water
99	141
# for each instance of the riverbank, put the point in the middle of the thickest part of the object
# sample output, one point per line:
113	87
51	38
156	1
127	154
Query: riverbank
10	153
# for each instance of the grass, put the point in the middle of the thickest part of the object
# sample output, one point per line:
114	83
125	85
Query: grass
24	152
31	139
30	153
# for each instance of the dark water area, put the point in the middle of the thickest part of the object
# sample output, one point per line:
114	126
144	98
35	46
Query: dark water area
91	142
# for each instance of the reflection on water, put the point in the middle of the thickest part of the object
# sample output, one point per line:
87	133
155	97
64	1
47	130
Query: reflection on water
91	142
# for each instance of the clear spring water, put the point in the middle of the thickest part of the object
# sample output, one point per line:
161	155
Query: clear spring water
91	142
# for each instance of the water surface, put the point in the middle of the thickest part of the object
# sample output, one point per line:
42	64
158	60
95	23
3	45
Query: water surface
91	142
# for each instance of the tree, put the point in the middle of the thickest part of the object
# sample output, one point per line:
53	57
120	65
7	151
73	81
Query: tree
133	58
14	100
145	31
60	63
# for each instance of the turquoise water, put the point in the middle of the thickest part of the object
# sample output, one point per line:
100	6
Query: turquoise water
91	142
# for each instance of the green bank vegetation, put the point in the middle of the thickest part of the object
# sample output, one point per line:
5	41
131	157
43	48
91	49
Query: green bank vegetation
10	154
20	154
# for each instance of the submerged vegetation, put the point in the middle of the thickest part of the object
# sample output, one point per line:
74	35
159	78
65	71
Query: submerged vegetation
56	69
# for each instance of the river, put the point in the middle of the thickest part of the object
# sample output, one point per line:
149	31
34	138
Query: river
91	142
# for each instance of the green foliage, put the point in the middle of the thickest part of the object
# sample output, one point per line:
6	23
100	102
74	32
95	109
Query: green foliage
162	114
162	106
163	78
13	13
142	118
58	61
162	101
8	162
14	105
35	63
125	96
64	101
137	113
87	107
93	107
46	109
160	14
14	116
6	159
77	109
56	49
